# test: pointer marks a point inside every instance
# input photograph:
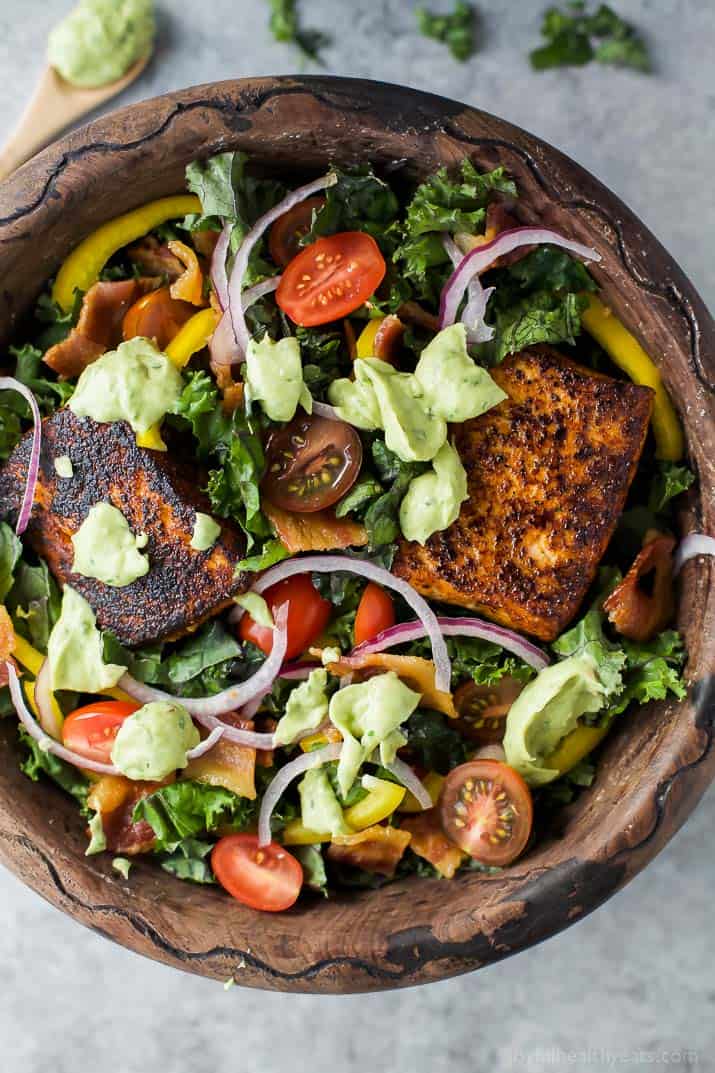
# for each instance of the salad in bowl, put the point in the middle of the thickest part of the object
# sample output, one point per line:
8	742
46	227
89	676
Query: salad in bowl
337	530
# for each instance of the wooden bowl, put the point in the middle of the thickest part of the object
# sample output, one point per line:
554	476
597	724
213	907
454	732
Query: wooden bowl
658	760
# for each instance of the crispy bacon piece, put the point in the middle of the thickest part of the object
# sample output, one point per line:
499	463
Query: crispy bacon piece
388	339
189	287
413	313
99	327
376	849
154	258
350	340
415	672
644	603
7	643
114	797
227	764
232	397
205	242
319	531
430	842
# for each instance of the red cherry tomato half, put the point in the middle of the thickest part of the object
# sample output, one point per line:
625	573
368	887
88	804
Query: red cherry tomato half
375	613
91	730
331	278
290	228
156	316
311	463
483	709
308	615
486	809
262	877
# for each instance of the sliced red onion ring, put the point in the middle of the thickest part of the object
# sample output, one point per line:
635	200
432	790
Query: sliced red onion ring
207	744
266	286
297	671
478	331
47	743
480	258
458	627
222	345
9	383
277	787
330	564
240	264
219	276
205	709
322	409
43	700
404	773
691	546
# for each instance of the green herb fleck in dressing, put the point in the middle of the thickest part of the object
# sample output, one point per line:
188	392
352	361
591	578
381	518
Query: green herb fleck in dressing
63	467
100	40
134	383
206	532
105	548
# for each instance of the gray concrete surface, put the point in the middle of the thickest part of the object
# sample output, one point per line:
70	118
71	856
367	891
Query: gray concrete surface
631	985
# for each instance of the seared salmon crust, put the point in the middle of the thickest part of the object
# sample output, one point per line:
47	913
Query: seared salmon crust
548	472
158	495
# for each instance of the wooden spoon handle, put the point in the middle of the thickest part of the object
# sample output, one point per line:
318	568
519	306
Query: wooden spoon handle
44	117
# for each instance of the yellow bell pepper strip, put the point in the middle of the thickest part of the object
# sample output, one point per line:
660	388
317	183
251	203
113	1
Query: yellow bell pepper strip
625	351
329	736
295	834
32	660
432	783
381	802
579	743
28	686
366	339
192	337
84	264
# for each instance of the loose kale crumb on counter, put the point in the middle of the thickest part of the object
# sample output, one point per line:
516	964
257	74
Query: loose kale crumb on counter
285	25
456	30
577	35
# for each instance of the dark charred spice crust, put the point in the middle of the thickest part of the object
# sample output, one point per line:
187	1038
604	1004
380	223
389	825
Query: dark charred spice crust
158	495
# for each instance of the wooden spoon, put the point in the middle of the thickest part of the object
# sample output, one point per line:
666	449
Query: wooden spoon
54	105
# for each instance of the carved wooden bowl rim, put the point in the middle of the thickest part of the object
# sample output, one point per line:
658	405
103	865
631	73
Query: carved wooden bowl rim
657	762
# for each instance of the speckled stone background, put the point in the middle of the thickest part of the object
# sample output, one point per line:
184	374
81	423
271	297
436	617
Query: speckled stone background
633	985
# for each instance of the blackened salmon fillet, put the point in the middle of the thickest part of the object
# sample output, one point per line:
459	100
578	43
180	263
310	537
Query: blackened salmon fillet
548	472
158	495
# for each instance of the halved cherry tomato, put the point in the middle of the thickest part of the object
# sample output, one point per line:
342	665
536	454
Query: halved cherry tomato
290	228
308	615
157	316
483	709
375	613
331	278
311	463
486	809
91	730
262	877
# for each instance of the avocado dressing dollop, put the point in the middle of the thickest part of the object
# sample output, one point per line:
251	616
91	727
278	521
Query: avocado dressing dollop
274	377
154	741
105	548
134	383
433	499
75	649
206	532
99	40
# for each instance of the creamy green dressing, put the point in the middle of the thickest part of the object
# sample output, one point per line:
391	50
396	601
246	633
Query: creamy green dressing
368	716
154	741
413	409
75	649
105	548
97	837
99	40
257	608
134	383
433	499
320	809
63	467
306	709
274	377
547	709
206	532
